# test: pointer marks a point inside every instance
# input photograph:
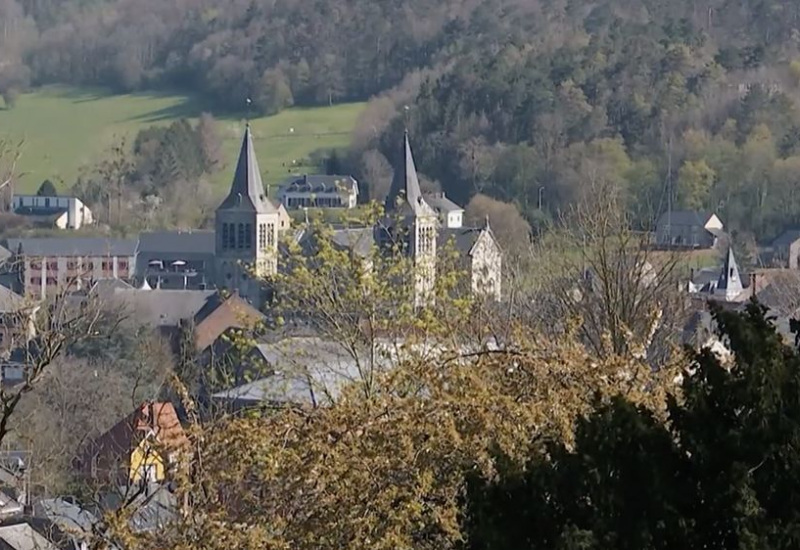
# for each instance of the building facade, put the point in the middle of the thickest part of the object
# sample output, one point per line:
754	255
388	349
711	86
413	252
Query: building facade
246	227
43	266
176	260
67	212
319	191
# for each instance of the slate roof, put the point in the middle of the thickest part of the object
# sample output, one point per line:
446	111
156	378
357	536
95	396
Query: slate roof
359	240
685	217
22	536
73	246
307	370
177	242
319	183
404	194
162	308
440	203
10	301
66	514
786	238
247	189
463	238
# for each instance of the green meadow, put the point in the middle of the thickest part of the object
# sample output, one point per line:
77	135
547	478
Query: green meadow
65	129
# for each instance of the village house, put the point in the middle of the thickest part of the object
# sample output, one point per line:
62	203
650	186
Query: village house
60	212
784	251
140	448
688	229
319	191
43	266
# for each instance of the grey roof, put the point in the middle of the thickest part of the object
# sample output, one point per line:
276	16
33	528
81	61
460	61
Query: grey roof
463	238
307	370
359	240
73	246
319	183
177	242
729	278
786	238
10	301
685	217
405	193
440	203
66	514
22	536
162	308
247	189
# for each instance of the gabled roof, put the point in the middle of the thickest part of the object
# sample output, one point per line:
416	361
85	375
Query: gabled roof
319	183
159	420
405	195
730	280
22	536
218	315
685	217
178	242
10	301
786	238
463	238
247	189
73	246
162	308
440	203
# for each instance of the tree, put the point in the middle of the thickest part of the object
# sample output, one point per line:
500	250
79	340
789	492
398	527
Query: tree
695	181
715	471
511	230
597	272
47	189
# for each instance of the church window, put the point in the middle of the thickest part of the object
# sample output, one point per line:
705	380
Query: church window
270	235
241	236
224	236
231	235
262	236
248	236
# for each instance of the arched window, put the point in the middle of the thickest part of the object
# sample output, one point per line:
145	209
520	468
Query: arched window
240	239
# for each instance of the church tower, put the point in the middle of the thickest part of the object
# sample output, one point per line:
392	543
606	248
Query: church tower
729	285
412	223
246	230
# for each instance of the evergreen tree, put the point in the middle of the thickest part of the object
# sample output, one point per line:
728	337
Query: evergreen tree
47	189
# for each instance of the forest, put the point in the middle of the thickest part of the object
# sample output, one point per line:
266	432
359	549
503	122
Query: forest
693	103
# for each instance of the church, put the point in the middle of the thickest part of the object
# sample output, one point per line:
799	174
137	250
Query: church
243	248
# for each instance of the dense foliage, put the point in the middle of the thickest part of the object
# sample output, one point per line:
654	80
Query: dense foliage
527	102
721	473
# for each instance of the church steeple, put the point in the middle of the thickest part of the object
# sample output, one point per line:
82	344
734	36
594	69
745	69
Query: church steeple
247	189
405	193
729	284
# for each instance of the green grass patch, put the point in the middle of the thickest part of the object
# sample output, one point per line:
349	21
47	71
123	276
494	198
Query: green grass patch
65	128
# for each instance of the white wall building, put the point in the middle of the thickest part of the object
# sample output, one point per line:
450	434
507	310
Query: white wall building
68	212
319	191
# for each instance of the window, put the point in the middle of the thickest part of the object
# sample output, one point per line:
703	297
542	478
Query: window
248	236
52	266
107	265
262	236
47	203
37	281
270	235
224	236
52	281
36	264
241	236
72	265
89	266
231	235
122	264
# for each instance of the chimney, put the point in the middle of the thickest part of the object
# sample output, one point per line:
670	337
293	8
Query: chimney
753	285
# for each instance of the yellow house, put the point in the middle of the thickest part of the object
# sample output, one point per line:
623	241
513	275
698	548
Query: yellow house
141	447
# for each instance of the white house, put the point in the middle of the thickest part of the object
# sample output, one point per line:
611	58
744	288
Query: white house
451	216
67	212
319	191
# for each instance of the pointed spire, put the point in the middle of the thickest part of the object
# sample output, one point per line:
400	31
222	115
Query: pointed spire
405	191
247	189
730	281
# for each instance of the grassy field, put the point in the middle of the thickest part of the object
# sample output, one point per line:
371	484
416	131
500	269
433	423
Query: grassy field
65	128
